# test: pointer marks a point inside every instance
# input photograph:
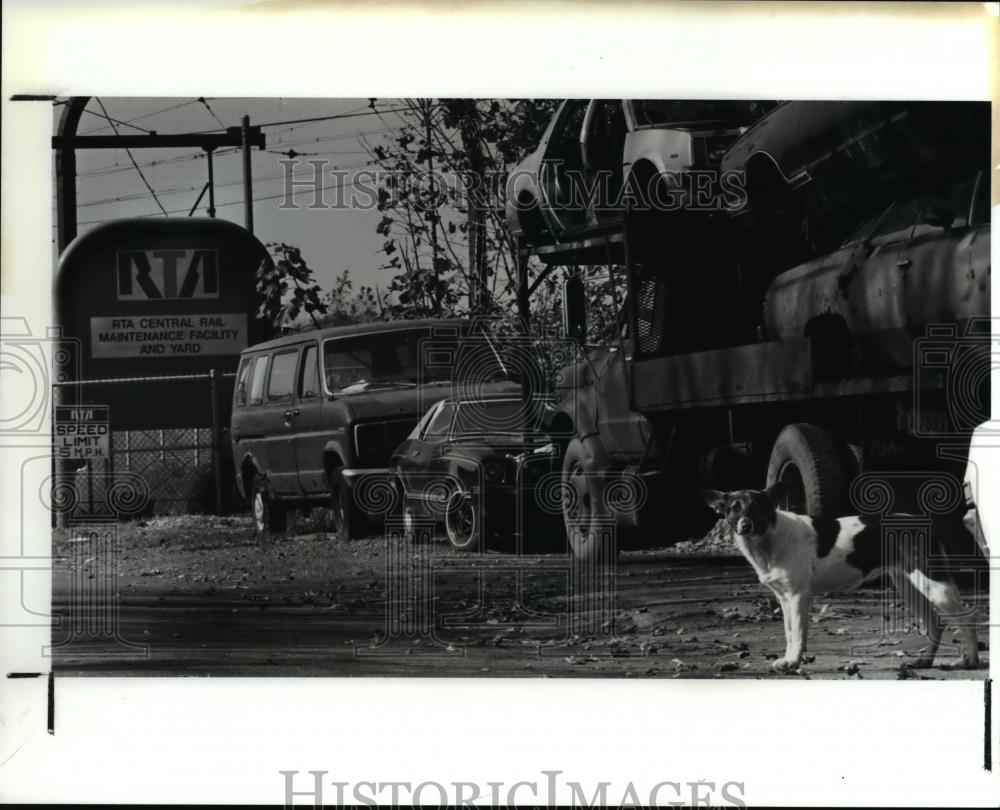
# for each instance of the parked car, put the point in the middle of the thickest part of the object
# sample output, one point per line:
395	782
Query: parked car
636	140
315	412
473	464
924	259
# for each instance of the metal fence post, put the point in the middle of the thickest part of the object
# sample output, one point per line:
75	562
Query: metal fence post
216	440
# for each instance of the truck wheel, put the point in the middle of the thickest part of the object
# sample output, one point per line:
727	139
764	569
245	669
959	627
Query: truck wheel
348	519
463	522
584	512
269	516
812	464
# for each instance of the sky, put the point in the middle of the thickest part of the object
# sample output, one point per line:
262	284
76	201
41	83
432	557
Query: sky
108	187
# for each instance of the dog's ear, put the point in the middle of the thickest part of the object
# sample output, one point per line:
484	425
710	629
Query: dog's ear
715	499
775	492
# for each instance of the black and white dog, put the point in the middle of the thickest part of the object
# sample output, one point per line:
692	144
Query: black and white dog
798	556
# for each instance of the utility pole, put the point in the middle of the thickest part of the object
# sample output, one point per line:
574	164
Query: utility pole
66	173
66	142
211	183
247	183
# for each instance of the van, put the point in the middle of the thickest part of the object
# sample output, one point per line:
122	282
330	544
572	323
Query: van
314	412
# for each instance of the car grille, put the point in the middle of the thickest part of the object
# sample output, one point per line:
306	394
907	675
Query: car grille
375	441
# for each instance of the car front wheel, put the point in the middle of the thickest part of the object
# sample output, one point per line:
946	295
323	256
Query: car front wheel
463	522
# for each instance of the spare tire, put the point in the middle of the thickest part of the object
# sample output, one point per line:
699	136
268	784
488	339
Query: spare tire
813	465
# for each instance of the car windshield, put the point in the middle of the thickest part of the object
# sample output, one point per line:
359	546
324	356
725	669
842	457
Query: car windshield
501	416
362	362
662	113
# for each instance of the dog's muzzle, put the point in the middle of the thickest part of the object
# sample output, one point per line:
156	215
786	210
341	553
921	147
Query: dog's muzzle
744	526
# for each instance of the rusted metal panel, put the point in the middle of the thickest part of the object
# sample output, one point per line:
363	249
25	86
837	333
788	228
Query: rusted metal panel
885	297
757	372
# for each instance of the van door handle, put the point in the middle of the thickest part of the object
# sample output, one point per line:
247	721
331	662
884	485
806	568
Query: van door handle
291	413
902	264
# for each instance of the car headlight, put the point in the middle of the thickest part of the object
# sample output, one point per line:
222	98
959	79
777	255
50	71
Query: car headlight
370	440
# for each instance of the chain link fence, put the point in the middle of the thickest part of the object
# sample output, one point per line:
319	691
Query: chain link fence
168	470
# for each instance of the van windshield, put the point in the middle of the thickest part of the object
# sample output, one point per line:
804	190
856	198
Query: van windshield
380	360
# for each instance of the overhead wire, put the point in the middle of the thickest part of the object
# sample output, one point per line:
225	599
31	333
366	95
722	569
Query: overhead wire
131	158
144	116
185	189
211	111
294	193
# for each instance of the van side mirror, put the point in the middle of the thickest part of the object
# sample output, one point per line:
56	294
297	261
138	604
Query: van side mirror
938	216
574	310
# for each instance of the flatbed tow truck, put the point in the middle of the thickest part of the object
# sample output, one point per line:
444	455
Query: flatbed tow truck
857	384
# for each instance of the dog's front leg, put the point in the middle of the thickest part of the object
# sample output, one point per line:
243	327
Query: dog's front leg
786	618
796	608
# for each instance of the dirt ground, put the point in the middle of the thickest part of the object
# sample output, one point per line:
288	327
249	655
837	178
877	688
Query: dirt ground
199	595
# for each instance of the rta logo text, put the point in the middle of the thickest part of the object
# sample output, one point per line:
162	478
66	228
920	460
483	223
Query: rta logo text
959	367
30	366
167	275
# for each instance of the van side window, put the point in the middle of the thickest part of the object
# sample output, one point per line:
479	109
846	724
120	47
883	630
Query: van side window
257	380
241	381
279	385
309	377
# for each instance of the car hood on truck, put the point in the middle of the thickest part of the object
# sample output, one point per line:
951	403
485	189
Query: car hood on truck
500	444
388	401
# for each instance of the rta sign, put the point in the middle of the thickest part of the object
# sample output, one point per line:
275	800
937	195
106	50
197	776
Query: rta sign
160	298
167	275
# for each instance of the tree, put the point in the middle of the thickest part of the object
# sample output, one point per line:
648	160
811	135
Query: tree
286	289
345	306
443	226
